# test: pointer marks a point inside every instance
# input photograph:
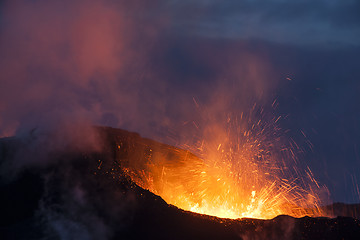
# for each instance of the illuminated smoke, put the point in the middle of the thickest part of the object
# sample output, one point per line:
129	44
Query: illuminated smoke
117	64
73	60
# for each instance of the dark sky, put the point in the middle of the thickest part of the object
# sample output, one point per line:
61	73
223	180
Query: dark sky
305	22
139	65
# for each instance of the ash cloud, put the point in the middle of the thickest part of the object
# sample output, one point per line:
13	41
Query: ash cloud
72	60
112	63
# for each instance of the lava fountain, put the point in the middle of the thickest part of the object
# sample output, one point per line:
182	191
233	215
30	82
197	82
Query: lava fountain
239	168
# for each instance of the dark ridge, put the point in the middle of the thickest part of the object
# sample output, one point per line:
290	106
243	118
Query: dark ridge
87	195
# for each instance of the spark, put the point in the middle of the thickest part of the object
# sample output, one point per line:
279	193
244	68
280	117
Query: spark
254	175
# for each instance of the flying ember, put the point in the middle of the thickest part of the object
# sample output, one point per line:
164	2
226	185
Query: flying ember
240	167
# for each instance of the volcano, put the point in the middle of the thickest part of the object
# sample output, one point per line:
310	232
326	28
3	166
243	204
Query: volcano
80	193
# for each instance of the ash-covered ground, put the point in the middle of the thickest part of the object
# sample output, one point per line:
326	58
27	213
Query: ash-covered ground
53	187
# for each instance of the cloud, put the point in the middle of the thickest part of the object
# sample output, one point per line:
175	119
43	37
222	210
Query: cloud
292	22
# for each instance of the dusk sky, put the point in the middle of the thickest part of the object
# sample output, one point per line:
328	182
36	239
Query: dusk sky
139	65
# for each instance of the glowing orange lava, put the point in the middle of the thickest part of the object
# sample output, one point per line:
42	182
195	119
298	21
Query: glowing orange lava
242	171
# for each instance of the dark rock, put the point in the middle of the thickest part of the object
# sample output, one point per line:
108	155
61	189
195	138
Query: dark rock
87	195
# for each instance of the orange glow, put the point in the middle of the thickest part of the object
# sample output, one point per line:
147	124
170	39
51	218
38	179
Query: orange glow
242	171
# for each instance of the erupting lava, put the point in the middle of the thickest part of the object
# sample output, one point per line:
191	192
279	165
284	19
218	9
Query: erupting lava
243	170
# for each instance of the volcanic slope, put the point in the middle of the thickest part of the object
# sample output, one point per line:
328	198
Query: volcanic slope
86	194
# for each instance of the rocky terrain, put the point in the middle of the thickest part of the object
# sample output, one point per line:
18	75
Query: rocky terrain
79	193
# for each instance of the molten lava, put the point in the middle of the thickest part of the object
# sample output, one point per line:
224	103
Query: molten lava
243	170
